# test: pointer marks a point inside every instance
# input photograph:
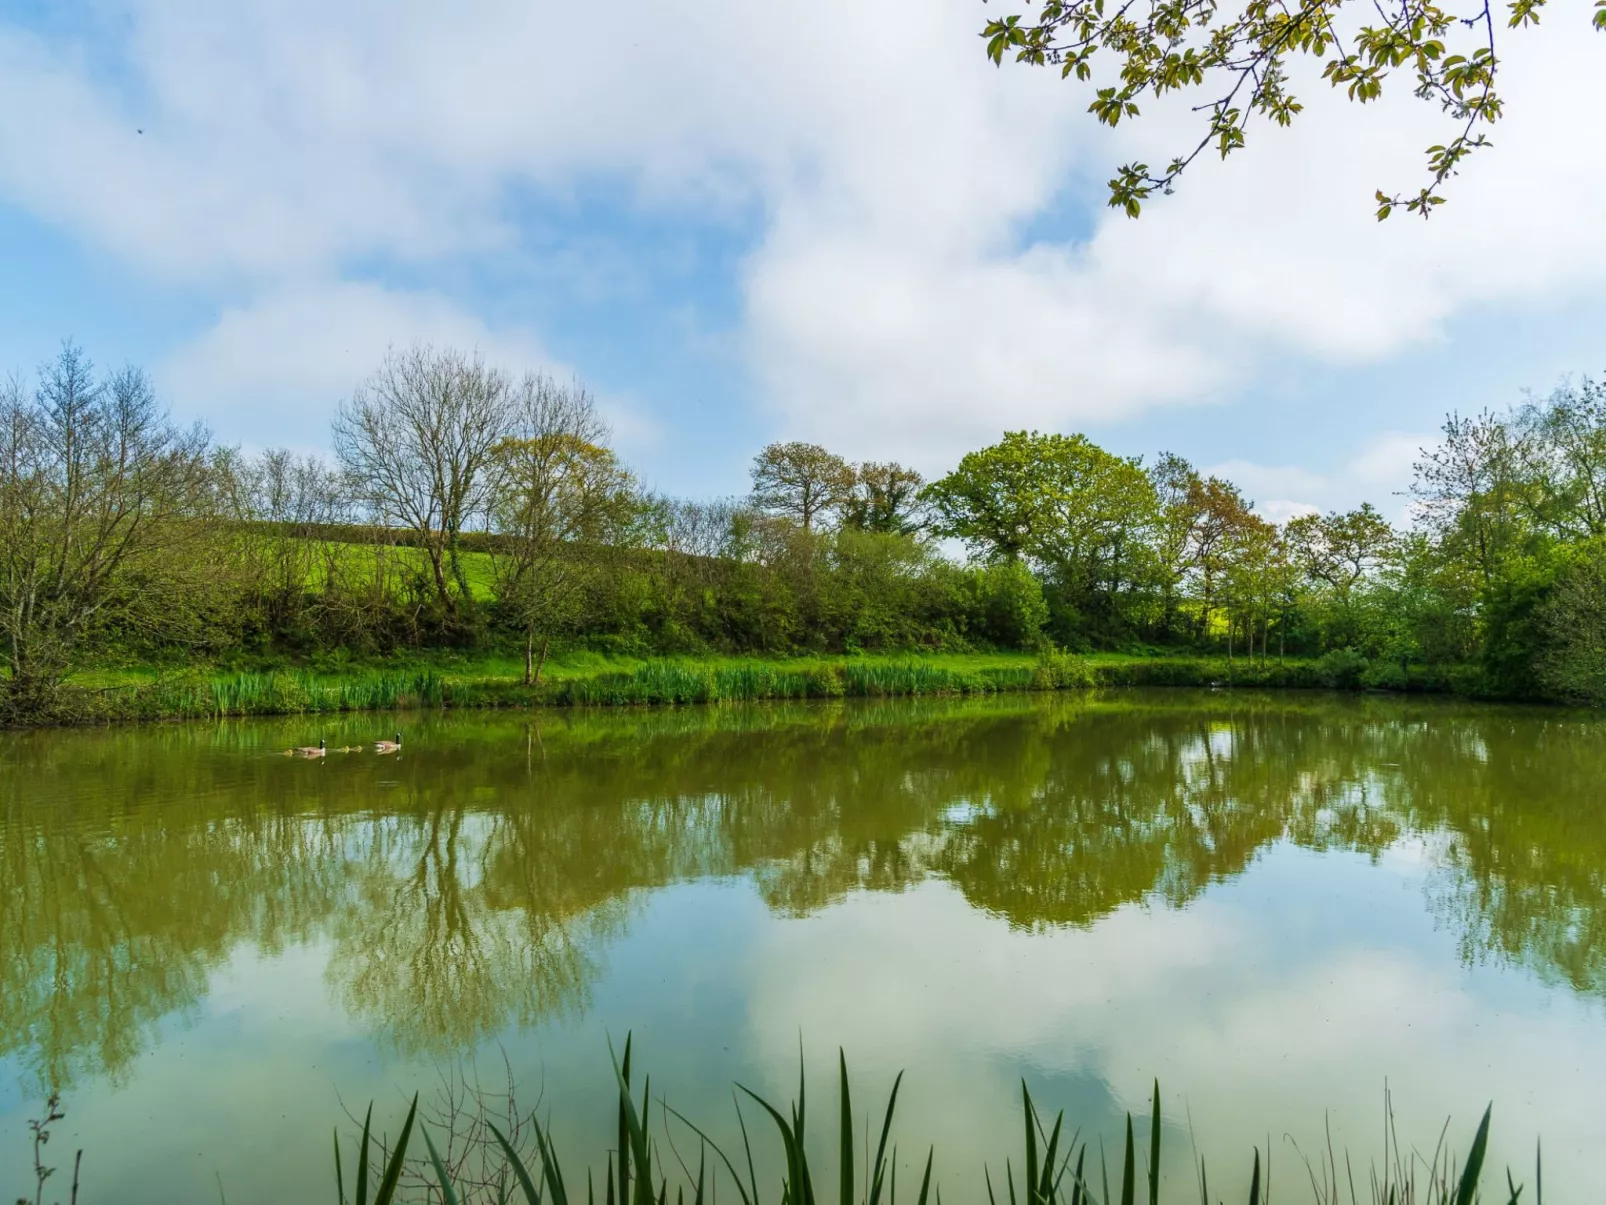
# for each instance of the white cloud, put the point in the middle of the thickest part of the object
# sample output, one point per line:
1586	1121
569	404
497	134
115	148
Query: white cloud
279	366
893	299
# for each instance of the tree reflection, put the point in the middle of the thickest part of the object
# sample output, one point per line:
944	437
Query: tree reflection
477	880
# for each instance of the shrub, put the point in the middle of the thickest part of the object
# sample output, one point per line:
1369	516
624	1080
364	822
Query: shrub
1341	669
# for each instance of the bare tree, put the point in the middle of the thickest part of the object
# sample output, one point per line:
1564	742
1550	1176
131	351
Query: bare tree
416	440
801	480
562	501
102	501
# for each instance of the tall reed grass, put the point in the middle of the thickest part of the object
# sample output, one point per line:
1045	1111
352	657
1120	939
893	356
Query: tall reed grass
1052	1167
670	682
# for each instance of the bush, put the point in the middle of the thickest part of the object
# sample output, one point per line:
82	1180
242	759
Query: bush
1386	675
1341	669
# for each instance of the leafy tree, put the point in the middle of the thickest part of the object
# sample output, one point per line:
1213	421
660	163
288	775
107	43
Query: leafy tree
1470	492
801	480
1177	495
1058	500
1563	440
885	498
1339	552
105	508
1573	619
1218	513
1238	64
561	498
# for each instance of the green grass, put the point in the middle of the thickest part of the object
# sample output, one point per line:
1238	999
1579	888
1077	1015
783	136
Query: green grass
1051	1167
592	680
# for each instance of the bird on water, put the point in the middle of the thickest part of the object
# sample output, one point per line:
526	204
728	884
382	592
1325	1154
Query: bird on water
317	750
388	746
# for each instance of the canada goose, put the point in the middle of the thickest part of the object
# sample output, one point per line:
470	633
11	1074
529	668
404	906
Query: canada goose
317	750
388	746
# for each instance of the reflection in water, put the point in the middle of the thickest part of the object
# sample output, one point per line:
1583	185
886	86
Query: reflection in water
477	880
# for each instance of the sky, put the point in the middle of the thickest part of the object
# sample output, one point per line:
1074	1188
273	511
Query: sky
813	219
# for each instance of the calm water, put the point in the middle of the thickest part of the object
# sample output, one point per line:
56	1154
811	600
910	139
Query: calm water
1273	903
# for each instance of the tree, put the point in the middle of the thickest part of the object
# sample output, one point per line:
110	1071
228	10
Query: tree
1564	441
1469	492
103	509
416	441
1239	63
1573	620
1340	552
561	499
885	498
1176	491
801	480
1217	512
1077	512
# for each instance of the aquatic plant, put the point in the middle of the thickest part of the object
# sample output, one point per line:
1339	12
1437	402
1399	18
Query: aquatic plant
1054	1168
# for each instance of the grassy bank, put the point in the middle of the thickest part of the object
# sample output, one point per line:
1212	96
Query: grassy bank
585	680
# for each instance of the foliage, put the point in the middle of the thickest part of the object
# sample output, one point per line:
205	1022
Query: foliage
802	481
104	523
479	515
1572	619
1341	668
1241	65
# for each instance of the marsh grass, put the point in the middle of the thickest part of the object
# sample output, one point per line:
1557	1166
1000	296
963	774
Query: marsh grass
588	680
1052	1167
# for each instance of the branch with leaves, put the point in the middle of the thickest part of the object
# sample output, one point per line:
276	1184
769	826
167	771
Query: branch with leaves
1239	63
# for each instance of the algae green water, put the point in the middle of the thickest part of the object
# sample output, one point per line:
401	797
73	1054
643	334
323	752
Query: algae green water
1275	904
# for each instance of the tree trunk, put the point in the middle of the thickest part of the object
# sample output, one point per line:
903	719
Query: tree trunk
529	655
541	661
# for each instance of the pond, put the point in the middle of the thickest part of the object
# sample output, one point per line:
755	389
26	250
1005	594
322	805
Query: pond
1281	906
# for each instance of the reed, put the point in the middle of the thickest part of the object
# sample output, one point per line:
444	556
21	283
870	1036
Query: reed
1052	1167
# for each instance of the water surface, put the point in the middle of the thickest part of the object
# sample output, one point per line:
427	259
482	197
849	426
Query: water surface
1274	903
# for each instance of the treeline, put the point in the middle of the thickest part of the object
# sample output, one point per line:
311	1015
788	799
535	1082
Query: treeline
469	509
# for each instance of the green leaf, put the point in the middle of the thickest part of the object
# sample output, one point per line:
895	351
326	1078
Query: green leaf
531	1196
1468	1189
448	1196
392	1176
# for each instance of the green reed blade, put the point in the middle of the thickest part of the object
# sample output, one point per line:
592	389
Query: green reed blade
340	1178
624	1128
1045	1188
1154	1149
531	1197
1254	1183
793	1188
925	1180
639	1150
881	1146
362	1158
1029	1117
845	1177
1129	1171
387	1185
448	1197
551	1169
719	1151
1468	1188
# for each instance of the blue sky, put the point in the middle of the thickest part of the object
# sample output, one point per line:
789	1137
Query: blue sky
821	220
